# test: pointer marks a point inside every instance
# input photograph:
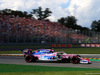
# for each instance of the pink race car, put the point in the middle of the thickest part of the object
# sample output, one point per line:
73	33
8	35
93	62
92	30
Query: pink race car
50	55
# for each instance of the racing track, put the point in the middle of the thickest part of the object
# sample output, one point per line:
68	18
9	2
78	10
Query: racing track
20	60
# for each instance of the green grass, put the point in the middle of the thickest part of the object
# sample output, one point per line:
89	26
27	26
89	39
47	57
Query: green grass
10	52
67	50
80	50
30	68
12	69
54	73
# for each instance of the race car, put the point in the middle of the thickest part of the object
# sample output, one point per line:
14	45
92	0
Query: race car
50	55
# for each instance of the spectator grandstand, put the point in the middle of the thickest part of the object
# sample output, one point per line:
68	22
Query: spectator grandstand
19	29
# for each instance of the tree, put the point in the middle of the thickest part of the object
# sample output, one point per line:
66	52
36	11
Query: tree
15	13
69	21
62	21
95	26
6	11
98	26
47	13
40	14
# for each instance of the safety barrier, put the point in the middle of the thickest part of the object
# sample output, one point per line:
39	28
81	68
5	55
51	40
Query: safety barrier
53	45
90	45
64	45
61	45
58	45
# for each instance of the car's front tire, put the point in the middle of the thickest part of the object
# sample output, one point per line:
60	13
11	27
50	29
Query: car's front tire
75	60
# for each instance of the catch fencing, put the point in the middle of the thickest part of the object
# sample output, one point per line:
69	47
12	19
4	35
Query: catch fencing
42	36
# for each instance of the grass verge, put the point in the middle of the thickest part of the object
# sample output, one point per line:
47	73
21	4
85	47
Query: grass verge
54	73
67	50
12	69
29	68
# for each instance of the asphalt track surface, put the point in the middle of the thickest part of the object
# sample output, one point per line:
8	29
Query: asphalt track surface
21	61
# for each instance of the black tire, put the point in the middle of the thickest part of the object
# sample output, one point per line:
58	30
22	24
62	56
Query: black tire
75	60
28	58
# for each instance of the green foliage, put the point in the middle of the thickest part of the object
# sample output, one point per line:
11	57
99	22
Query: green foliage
62	21
95	26
71	22
40	14
47	13
15	13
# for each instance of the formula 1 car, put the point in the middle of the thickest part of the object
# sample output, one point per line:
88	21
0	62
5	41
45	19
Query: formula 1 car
50	55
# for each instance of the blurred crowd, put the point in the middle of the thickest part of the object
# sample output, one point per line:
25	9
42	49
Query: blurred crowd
20	27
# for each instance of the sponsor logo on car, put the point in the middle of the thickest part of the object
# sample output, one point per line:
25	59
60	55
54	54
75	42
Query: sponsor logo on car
46	57
83	61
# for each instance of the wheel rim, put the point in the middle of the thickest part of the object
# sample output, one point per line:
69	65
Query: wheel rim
28	58
74	60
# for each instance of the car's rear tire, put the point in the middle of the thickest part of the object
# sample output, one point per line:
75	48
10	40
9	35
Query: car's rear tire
28	58
75	60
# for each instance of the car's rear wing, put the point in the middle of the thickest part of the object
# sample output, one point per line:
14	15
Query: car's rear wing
27	51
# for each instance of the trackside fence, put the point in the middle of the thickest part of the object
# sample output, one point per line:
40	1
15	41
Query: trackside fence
64	36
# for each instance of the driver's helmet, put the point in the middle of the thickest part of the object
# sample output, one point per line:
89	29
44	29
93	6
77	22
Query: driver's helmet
30	51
